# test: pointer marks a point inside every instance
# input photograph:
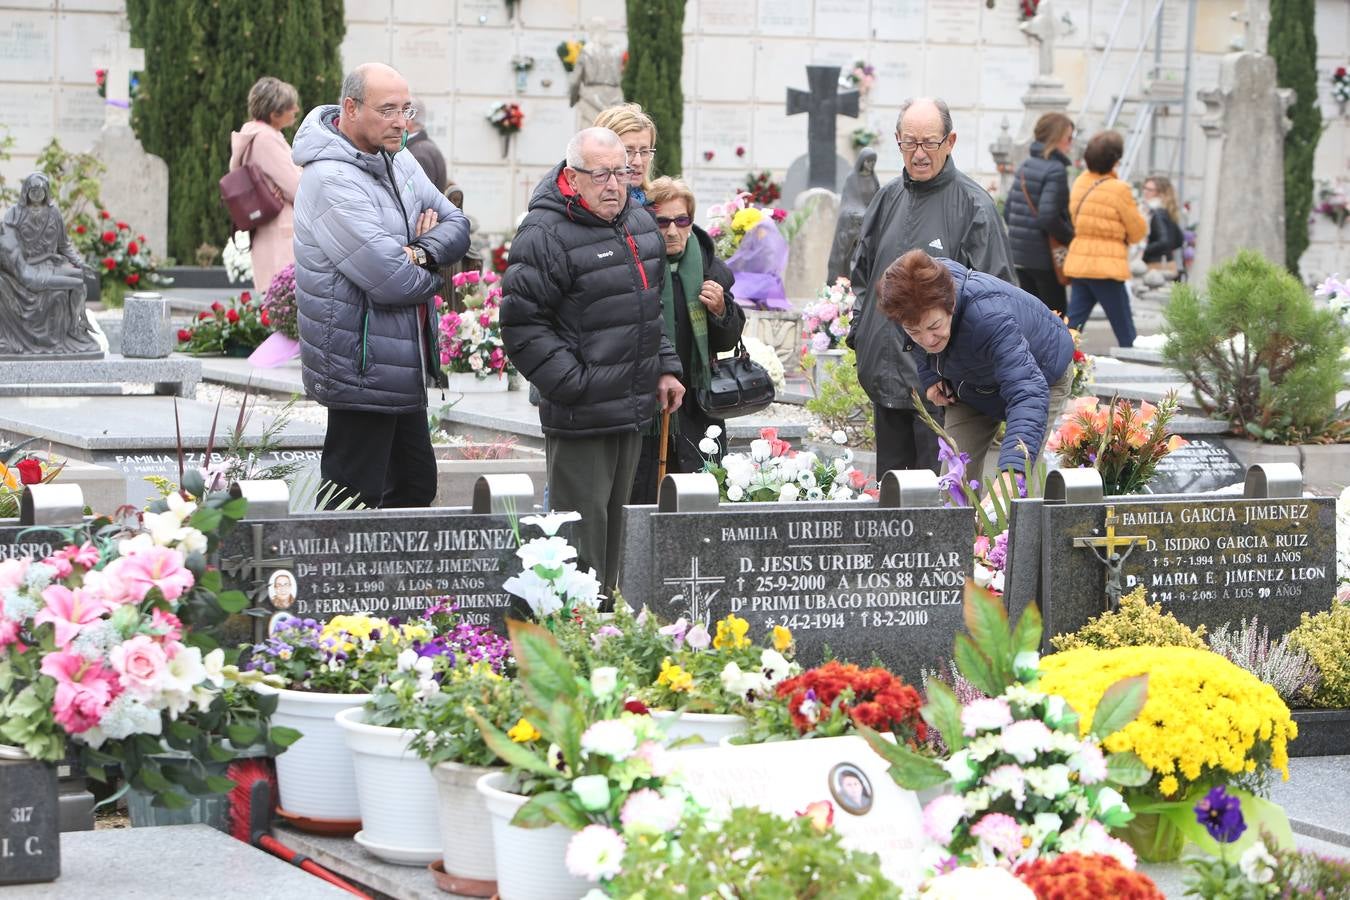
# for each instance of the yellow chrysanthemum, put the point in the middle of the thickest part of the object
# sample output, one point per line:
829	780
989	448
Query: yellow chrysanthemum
782	638
731	634
746	219
1204	715
674	677
523	732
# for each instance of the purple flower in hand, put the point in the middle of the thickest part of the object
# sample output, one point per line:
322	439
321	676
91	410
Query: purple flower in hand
1221	814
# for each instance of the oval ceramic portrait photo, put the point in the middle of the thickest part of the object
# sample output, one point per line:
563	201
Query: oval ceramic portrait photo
281	589
851	789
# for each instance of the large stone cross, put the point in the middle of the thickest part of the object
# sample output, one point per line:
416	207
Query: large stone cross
1041	29
822	104
118	59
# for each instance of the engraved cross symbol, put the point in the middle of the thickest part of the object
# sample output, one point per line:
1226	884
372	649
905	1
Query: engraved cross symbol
698	612
1113	560
254	568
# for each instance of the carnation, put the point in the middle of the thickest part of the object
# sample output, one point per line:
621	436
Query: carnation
595	853
611	737
648	812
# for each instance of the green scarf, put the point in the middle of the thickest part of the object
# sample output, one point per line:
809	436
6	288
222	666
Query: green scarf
689	266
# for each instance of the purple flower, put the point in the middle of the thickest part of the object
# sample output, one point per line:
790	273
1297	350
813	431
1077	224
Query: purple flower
998	553
1221	814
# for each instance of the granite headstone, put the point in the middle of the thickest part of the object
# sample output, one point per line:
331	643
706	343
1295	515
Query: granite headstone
30	846
1202	465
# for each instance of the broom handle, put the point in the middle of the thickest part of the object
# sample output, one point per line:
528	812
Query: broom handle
280	850
665	442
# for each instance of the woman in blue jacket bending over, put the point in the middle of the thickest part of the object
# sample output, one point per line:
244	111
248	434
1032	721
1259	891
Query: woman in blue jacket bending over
987	351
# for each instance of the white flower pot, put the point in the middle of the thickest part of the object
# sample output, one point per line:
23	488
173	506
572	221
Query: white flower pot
469	383
466	830
396	792
530	861
314	775
710	728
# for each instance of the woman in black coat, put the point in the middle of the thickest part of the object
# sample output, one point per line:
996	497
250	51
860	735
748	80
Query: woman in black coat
1164	234
701	321
1038	208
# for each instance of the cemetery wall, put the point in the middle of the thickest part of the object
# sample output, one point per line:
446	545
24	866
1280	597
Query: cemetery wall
457	55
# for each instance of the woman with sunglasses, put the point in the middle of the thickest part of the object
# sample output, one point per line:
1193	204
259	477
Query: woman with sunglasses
701	321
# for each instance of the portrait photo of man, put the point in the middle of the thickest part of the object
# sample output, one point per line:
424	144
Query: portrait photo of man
851	789
281	589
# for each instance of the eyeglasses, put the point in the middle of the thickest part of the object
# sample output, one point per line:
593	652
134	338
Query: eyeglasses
909	146
662	223
600	176
391	112
641	154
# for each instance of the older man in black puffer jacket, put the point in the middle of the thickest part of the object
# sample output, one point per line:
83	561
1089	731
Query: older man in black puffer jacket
581	319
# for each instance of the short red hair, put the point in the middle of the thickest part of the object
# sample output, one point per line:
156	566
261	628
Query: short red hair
913	285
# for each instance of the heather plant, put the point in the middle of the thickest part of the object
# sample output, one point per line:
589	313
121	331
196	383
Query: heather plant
1288	670
1135	624
1325	637
1259	353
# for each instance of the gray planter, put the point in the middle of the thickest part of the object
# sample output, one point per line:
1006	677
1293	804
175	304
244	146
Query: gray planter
1321	732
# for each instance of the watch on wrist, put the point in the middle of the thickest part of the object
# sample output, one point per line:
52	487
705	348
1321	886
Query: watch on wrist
419	255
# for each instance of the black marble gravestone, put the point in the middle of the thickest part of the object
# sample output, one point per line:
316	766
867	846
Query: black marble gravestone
1202	465
30	847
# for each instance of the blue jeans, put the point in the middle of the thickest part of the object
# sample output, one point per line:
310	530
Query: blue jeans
1088	292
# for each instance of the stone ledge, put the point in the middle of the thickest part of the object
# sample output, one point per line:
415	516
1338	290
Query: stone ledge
184	374
1321	732
345	857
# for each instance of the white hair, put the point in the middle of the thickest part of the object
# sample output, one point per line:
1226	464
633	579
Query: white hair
590	137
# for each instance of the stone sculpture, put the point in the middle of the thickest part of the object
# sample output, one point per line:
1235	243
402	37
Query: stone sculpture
596	81
859	188
42	288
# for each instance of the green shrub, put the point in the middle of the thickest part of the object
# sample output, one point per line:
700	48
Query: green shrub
841	403
1325	637
1259	354
1293	46
652	74
1135	624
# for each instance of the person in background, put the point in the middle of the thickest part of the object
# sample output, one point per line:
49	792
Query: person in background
989	352
1164	233
638	133
425	151
272	107
1106	221
935	207
1037	209
701	320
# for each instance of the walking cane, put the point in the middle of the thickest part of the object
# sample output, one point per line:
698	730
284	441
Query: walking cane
661	456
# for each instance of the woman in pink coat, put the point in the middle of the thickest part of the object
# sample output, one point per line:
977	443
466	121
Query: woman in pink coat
272	106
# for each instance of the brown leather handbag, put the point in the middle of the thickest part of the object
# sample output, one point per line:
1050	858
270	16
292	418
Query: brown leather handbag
1059	252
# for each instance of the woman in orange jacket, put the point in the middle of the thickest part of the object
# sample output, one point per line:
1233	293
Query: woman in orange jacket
1106	221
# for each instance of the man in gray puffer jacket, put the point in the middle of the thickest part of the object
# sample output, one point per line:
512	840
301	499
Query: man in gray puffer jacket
370	228
581	319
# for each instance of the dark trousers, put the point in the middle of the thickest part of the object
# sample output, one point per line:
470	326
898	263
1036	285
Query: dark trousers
903	440
593	475
381	459
1043	284
1088	292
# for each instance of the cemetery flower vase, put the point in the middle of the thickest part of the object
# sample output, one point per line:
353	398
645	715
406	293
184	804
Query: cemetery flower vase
530	861
710	729
1153	838
315	776
469	383
396	792
205	809
466	830
825	358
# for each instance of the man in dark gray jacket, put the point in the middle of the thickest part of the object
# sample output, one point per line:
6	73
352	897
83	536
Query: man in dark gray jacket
369	231
581	319
936	208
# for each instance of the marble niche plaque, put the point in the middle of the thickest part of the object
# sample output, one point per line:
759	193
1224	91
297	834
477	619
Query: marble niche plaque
864	582
1203	464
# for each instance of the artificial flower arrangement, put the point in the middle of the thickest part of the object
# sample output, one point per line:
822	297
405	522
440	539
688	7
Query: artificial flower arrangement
772	471
506	117
588	757
1205	722
762	189
1026	780
825	323
501	255
1083	366
233	328
1123	443
120	256
834	699
550	583
17	471
568	53
721	672
1340	86
279	304
133	84
860	76
238	258
730	222
471	341
1026	9
1333	200
104	653
863	137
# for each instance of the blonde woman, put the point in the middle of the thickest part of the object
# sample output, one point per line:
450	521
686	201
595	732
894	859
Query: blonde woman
638	133
1164	234
272	106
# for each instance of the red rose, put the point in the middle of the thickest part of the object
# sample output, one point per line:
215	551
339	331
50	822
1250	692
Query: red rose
132	279
123	226
245	297
266	320
232	316
133	248
636	706
203	315
79	229
109	263
184	335
1340	72
30	470
217	306
109	237
141	238
104	214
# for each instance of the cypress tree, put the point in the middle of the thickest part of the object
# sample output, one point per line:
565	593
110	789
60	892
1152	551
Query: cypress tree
1293	44
201	57
652	76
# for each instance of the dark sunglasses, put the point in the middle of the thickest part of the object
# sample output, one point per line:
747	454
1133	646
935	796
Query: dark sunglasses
662	223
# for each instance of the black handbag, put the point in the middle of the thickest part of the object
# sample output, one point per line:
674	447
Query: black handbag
739	387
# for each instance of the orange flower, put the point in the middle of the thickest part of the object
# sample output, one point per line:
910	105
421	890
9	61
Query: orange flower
1176	442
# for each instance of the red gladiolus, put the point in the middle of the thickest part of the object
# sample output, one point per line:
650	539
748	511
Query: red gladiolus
132	279
265	318
109	263
133	248
232	316
30	471
109	237
184	335
104	214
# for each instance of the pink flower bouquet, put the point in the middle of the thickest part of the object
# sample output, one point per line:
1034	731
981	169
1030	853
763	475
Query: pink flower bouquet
471	337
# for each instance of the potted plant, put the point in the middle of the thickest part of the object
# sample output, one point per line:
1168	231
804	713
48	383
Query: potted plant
582	761
773	472
472	353
710	684
396	792
233	329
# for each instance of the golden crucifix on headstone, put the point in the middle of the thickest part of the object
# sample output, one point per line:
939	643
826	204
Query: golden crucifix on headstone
1112	559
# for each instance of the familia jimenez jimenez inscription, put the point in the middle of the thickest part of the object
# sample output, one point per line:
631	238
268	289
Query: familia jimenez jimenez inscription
859	581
